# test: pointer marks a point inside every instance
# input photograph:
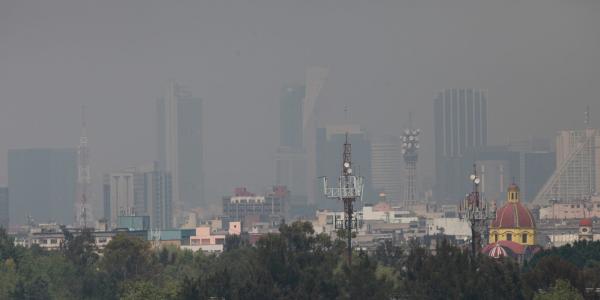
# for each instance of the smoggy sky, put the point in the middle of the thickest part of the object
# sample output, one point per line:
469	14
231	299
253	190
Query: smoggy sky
539	61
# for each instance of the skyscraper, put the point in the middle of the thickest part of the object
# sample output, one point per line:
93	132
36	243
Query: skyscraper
386	167
4	207
140	191
460	121
180	147
329	142
315	80
290	116
42	184
577	164
290	162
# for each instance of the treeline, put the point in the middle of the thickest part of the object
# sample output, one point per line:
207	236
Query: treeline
295	264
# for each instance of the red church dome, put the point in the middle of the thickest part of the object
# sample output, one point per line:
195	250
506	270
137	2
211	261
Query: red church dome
513	215
585	223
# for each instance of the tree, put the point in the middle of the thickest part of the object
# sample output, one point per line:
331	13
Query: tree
128	258
547	271
80	249
35	290
7	245
562	290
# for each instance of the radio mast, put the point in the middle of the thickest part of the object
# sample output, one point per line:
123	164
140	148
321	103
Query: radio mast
349	189
83	175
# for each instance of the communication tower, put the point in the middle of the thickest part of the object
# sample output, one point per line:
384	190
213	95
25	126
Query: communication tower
410	148
350	188
83	175
475	210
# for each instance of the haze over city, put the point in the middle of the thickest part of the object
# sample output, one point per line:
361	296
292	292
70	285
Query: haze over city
537	60
299	149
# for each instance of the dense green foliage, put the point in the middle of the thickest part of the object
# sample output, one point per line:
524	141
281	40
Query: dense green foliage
295	264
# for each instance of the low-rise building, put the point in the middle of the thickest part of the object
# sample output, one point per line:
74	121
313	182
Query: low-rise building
579	209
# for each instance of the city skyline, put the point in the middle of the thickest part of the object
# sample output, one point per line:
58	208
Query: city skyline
380	69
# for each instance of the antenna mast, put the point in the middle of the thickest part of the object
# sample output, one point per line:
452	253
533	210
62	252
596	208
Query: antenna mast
349	189
83	174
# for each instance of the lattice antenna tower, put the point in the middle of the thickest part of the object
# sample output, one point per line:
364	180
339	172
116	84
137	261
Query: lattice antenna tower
83	175
475	210
350	188
410	153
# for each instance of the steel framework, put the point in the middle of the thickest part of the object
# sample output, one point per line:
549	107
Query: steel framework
350	188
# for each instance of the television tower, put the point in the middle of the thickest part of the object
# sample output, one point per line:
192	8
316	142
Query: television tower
410	147
83	175
349	189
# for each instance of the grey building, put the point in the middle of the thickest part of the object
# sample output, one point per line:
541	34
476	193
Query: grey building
387	166
4	206
42	184
330	147
142	191
290	117
460	126
180	149
290	161
499	166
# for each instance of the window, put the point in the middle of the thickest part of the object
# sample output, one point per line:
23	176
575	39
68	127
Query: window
509	237
219	241
495	237
53	241
524	238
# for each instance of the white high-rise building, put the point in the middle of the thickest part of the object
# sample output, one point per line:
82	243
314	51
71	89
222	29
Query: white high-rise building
119	193
386	167
577	174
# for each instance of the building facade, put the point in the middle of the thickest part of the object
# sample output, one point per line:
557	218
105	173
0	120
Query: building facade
290	161
4	208
180	149
250	208
460	125
386	167
42	184
576	175
143	191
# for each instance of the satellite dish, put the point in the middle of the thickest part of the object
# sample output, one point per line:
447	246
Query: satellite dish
477	180
472	177
346	165
349	171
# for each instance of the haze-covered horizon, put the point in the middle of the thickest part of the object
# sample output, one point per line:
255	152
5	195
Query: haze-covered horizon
537	60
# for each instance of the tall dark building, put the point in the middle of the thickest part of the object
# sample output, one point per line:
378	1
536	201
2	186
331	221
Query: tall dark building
330	146
42	184
290	117
180	149
4	206
460	117
290	162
